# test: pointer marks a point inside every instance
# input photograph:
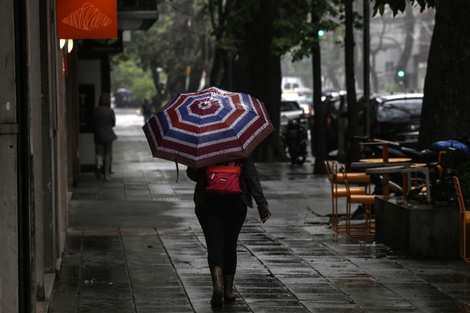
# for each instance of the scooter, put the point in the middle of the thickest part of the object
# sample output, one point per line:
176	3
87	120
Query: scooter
460	150
295	138
441	158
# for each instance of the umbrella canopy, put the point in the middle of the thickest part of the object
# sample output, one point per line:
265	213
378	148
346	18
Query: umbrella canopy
207	127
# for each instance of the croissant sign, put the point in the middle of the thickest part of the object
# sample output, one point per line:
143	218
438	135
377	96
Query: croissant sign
86	19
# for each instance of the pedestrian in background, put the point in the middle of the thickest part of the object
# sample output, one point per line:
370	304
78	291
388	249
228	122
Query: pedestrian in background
104	135
146	109
221	218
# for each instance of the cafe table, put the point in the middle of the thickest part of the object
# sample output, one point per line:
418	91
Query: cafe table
387	165
389	160
393	165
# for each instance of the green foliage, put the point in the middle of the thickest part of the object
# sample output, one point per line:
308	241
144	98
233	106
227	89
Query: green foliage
400	5
127	74
178	40
228	20
300	21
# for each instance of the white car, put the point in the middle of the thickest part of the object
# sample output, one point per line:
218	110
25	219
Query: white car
290	110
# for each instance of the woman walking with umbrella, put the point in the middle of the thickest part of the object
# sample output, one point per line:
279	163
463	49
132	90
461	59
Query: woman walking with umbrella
204	128
221	218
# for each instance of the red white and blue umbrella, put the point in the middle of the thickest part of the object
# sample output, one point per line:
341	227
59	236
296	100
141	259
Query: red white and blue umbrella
207	127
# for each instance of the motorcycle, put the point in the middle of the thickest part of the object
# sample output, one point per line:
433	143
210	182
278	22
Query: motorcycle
460	150
295	138
441	157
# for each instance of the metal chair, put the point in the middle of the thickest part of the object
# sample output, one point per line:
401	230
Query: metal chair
464	220
366	199
338	190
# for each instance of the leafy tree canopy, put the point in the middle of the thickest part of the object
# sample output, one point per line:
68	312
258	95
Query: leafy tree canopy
174	48
400	5
299	23
127	74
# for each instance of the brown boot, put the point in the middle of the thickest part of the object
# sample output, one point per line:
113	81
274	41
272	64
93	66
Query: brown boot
218	285
229	294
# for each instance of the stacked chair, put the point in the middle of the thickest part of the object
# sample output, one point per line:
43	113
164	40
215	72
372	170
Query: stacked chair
354	187
367	228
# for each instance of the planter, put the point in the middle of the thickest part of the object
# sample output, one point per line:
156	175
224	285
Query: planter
416	229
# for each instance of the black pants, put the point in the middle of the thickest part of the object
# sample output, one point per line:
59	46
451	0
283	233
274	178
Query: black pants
104	156
221	219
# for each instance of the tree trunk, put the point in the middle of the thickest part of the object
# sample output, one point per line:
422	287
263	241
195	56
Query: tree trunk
352	148
320	151
258	72
446	114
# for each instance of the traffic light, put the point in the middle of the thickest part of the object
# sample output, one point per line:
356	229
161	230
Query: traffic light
401	77
321	33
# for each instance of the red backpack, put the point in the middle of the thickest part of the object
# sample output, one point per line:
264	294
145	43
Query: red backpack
224	179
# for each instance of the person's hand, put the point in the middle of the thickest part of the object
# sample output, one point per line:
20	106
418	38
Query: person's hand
264	213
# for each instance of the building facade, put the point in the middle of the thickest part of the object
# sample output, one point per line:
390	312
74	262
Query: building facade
43	92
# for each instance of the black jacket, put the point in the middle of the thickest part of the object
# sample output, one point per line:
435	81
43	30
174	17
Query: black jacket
105	120
250	184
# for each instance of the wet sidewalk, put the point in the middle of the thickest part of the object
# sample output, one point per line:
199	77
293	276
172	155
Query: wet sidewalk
134	246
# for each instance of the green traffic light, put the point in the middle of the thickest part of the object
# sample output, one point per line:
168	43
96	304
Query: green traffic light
401	73
321	33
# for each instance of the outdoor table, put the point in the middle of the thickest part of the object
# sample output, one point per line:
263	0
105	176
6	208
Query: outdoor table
360	166
406	169
390	163
385	160
385	171
389	160
416	168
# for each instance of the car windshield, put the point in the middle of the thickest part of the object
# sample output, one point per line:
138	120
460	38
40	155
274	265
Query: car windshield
289	106
399	110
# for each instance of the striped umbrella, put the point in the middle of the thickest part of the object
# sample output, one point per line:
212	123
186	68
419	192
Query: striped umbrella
207	127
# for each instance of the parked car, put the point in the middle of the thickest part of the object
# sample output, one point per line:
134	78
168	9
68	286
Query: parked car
290	110
396	117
